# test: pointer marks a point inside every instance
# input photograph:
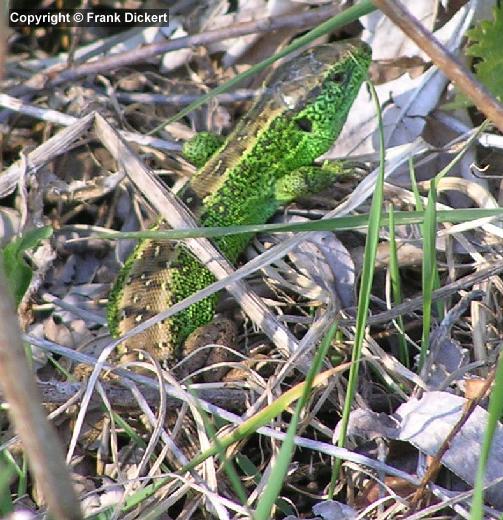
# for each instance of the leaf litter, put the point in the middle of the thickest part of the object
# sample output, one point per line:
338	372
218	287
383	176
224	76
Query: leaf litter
400	416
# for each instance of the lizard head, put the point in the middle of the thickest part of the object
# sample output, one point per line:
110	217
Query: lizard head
318	92
298	119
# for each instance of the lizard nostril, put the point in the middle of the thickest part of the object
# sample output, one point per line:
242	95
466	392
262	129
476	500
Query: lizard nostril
304	124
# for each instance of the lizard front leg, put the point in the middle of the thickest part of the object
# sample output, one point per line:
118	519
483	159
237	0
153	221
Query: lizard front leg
308	180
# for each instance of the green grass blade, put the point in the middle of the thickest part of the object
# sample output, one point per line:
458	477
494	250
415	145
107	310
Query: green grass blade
429	267
495	411
430	275
473	139
8	472
17	272
228	465
365	289
413	184
346	223
396	288
278	474
22	485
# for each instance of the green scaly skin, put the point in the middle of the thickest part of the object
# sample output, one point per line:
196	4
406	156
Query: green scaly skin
265	162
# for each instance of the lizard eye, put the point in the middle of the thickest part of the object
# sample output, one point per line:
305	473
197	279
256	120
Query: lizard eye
338	77
304	124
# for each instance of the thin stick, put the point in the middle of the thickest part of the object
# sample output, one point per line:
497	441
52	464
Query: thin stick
40	441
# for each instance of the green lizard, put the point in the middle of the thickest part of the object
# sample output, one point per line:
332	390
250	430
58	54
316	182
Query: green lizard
265	162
